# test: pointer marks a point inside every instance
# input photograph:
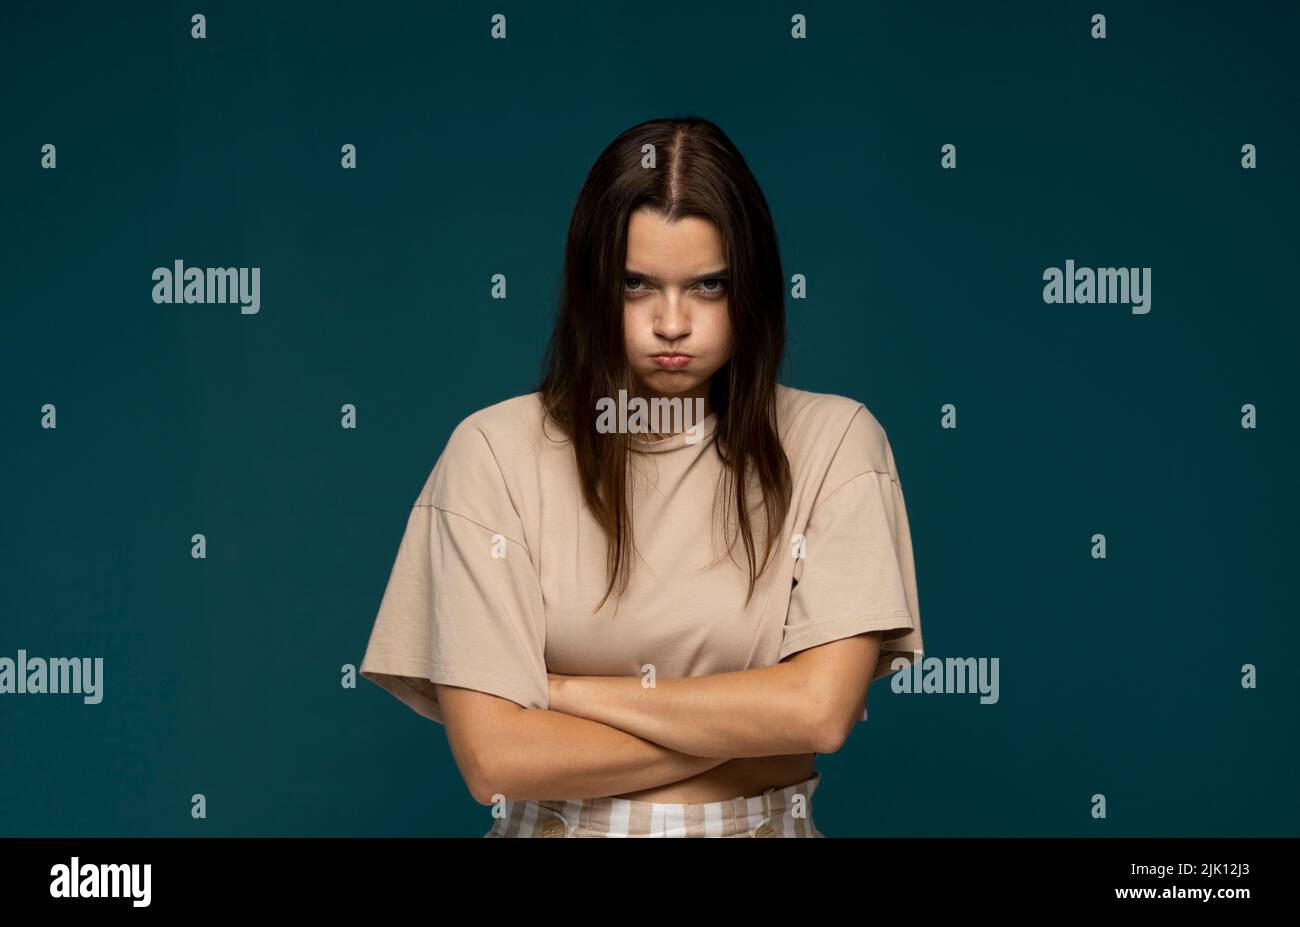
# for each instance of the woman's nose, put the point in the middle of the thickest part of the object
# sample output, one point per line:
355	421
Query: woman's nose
672	321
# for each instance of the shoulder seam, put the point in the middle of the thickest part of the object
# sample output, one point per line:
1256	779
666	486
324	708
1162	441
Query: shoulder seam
892	478
447	511
844	434
496	465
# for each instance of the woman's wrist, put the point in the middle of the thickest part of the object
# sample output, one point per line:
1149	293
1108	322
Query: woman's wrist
580	696
557	684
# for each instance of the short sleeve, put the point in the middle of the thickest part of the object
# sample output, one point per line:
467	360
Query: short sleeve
857	572
463	605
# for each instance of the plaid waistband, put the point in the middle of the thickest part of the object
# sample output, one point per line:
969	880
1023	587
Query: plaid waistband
777	812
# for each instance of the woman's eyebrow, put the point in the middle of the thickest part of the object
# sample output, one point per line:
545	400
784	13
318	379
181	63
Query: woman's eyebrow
631	272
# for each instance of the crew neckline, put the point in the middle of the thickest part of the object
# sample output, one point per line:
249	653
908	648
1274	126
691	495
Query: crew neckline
677	440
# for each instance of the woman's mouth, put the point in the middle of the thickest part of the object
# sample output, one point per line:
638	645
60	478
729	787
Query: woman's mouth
671	361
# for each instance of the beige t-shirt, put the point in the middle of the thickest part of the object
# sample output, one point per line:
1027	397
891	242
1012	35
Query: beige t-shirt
501	563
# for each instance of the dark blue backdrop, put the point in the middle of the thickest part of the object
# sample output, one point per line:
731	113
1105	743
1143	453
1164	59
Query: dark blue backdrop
1119	676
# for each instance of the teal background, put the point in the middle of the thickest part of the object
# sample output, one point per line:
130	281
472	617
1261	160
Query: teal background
1119	676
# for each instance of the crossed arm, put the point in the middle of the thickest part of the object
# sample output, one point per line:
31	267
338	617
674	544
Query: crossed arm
606	735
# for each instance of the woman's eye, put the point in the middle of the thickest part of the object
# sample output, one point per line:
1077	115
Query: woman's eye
712	287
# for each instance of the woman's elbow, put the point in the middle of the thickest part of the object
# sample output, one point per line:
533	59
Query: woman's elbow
830	726
479	732
488	774
831	735
481	790
494	768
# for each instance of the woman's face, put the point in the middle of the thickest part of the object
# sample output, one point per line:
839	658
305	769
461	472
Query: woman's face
675	304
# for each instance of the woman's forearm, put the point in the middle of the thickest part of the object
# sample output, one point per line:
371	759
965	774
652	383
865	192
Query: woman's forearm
764	711
550	755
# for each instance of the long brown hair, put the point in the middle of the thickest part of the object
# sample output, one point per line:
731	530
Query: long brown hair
696	171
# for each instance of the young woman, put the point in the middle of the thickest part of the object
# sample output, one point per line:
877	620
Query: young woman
653	634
